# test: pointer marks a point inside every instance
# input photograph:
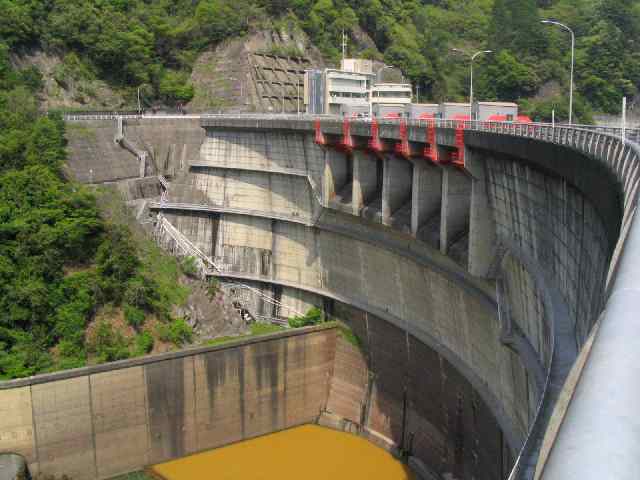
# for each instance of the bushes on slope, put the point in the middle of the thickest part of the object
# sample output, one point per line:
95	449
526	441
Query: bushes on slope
60	261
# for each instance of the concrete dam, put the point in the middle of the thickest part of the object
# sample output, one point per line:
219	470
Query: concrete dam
479	264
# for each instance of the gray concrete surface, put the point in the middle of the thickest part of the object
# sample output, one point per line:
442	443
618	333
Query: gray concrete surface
365	180
12	467
537	214
98	422
396	186
456	200
426	193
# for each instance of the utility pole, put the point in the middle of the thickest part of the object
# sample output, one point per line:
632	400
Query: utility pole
573	46
472	57
344	47
624	117
282	84
418	93
298	93
139	107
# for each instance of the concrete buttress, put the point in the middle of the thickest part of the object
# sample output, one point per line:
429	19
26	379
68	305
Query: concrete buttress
364	179
456	197
482	229
426	194
396	186
335	174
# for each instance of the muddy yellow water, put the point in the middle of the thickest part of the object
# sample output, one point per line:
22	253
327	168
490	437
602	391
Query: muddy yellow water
309	452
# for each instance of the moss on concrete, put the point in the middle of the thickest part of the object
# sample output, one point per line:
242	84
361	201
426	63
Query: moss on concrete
257	329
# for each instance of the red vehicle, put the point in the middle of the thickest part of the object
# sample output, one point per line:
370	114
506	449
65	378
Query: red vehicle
503	118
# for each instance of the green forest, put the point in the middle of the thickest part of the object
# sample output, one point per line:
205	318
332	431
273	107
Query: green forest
63	265
153	44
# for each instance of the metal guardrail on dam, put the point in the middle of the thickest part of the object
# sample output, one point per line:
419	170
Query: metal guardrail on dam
126	114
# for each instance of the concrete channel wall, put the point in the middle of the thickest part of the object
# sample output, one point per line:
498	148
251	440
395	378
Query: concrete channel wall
97	422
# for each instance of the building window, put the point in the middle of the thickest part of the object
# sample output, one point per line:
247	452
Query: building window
391	94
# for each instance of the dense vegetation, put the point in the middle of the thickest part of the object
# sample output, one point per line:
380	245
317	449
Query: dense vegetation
153	44
65	272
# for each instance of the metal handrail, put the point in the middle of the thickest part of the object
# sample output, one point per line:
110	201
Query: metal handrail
207	264
629	132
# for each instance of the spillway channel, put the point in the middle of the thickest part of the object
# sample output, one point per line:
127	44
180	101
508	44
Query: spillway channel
310	451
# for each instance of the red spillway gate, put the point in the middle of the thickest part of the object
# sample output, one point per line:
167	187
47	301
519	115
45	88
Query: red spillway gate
319	138
402	147
431	149
374	142
457	157
347	139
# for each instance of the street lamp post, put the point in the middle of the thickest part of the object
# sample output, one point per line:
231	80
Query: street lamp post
573	45
472	57
371	89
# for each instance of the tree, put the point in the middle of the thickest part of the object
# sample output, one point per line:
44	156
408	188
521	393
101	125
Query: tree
46	144
218	19
624	15
312	317
175	87
16	25
504	78
116	261
515	25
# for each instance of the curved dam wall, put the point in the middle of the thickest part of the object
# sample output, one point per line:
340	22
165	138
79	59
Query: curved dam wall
400	393
471	264
98	422
497	266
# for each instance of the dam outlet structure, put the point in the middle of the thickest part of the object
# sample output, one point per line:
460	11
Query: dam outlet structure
487	271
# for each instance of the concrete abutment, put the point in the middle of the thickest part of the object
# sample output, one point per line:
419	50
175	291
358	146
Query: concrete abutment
396	192
426	193
456	202
367	184
482	228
